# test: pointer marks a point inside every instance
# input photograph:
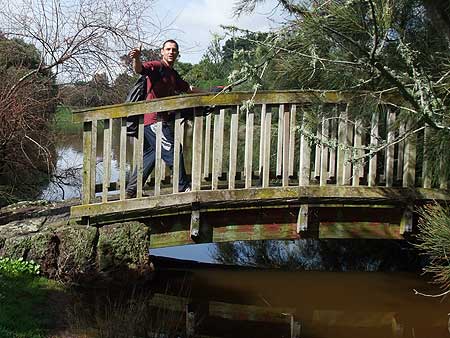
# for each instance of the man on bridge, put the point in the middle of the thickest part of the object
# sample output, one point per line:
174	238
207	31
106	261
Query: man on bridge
162	81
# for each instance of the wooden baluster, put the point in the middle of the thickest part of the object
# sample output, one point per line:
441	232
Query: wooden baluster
207	146
390	148
135	154
197	145
93	158
324	152
262	140
176	152
267	136
163	170
305	150
248	157
233	148
217	148
357	166
123	157
426	169
158	158
409	166
107	141
292	133
333	140
347	151
401	153
280	140
221	134
139	151
373	143
342	143
87	143
318	153
286	139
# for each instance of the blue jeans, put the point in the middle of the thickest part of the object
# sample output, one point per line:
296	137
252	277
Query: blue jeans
167	148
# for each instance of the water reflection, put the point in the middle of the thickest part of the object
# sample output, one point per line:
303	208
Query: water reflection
323	304
67	178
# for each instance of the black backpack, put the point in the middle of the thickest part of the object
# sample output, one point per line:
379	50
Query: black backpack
139	93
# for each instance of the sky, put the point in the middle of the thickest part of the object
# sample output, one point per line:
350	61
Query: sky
194	21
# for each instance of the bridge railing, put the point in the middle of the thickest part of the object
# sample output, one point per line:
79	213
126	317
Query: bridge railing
267	139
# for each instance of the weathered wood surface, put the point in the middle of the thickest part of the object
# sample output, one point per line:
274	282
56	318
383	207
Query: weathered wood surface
318	167
200	100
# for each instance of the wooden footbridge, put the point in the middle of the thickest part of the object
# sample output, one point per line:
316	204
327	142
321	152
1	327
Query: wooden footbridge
270	165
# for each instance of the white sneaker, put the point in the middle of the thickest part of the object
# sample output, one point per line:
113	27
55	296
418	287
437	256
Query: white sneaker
188	189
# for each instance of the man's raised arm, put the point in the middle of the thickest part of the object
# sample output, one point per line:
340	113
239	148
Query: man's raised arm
135	54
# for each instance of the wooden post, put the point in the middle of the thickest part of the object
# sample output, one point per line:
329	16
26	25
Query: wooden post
221	135
207	146
123	157
426	170
158	159
262	140
176	152
347	151
190	322
406	221
292	133
409	166
248	157
372	176
305	151
87	153
357	167
318	153
295	328
195	224
286	151
390	149
107	141
324	157
266	155
217	148
342	143
401	153
93	158
302	218
333	140
280	140
197	151
139	156
233	148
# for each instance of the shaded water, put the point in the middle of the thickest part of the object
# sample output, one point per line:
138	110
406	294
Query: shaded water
232	302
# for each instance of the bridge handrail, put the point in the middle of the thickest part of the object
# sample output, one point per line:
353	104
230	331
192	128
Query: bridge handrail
269	148
226	99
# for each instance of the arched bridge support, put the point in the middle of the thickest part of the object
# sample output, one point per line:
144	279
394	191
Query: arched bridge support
268	213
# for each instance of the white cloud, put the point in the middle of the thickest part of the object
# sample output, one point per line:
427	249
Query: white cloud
195	20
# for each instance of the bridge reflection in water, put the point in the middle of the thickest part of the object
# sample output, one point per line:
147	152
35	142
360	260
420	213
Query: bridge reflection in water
267	303
270	165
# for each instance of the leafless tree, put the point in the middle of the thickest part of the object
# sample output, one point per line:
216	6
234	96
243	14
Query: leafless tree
76	39
81	37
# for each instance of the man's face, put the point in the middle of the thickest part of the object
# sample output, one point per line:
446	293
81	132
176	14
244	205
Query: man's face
169	52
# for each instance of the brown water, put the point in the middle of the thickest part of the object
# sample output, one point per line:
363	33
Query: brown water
265	303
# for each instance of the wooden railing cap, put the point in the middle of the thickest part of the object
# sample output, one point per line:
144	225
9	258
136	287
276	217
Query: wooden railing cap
223	99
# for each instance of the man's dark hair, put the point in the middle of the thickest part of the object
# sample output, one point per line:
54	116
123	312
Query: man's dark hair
171	41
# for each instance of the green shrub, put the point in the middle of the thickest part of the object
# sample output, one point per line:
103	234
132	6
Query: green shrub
17	267
434	242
